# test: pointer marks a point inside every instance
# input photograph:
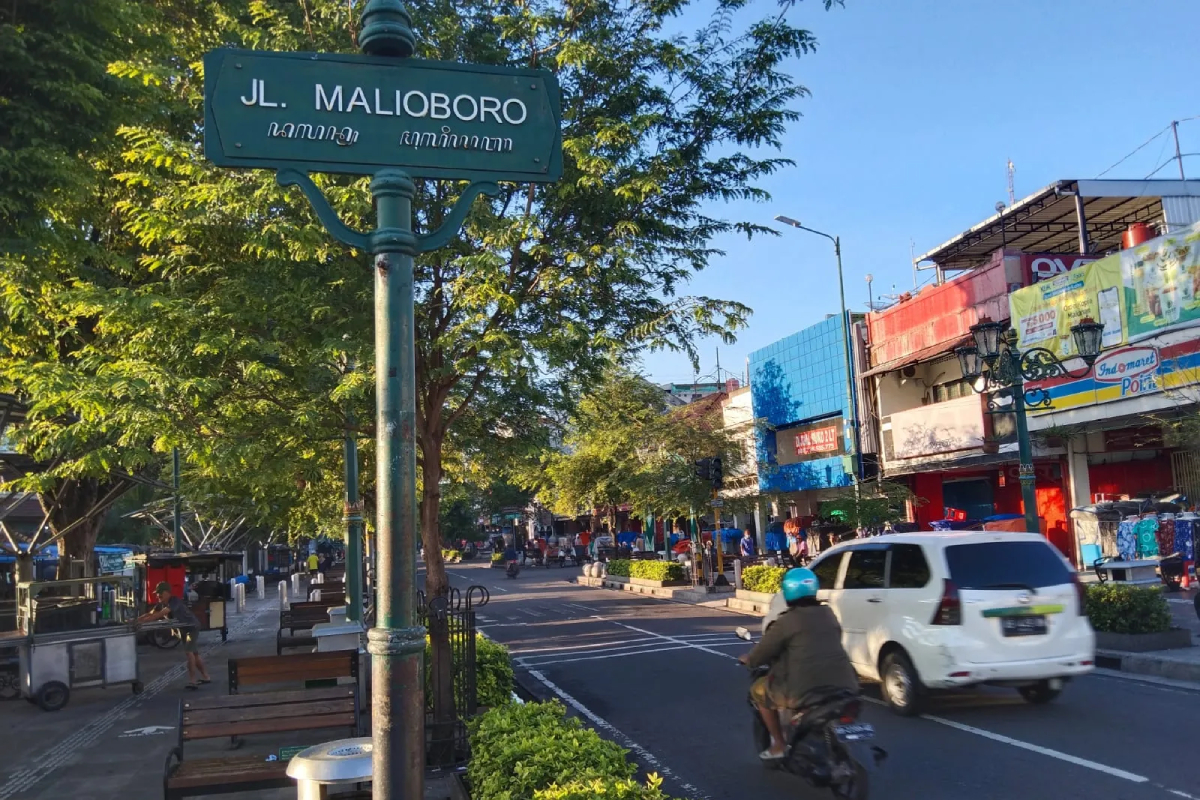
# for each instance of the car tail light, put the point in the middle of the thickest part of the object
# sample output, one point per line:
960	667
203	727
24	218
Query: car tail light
949	610
1080	594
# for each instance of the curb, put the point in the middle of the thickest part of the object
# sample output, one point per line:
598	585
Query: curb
1147	664
721	602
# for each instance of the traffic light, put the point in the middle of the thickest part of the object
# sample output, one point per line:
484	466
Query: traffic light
704	469
718	478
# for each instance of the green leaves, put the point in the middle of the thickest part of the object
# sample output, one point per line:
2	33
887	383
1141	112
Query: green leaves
1114	608
518	750
764	579
656	570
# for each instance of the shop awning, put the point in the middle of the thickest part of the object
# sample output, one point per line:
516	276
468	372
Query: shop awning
933	353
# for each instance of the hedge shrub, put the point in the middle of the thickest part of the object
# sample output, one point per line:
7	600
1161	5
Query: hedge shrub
493	672
497	557
656	570
606	789
451	555
762	579
517	750
618	567
1113	608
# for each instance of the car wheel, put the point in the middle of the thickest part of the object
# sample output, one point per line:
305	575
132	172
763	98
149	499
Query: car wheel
901	685
1039	693
52	696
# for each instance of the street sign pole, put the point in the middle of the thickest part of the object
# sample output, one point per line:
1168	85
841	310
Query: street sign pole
352	517
395	118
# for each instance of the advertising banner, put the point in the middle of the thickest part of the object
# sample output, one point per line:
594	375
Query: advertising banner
1161	281
1044	313
1043	266
809	441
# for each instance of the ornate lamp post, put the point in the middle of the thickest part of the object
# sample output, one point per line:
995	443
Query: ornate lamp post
994	358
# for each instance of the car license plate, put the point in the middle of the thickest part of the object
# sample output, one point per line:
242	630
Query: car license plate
854	732
1023	626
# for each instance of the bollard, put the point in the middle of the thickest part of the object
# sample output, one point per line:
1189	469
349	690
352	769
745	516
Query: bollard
240	596
737	574
320	577
295	584
283	596
233	584
261	583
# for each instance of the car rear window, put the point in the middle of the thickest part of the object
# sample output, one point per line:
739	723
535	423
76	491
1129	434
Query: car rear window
1005	565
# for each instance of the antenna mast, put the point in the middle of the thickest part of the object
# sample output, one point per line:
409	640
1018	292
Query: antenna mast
1012	195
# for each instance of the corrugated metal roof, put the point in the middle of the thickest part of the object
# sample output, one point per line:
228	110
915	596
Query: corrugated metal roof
1045	221
1180	212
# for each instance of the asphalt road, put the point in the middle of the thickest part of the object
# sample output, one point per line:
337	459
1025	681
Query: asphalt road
662	679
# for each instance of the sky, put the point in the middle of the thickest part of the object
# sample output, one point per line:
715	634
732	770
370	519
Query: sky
916	108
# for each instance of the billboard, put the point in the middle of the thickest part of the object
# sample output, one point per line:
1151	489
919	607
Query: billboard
1044	313
1044	266
1161	284
809	441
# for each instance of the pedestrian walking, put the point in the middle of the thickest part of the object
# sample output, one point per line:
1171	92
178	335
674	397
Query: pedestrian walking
314	564
189	629
746	546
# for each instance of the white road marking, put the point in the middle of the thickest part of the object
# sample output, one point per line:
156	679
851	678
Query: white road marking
615	645
531	613
581	608
671	639
644	755
1045	751
603	656
149	730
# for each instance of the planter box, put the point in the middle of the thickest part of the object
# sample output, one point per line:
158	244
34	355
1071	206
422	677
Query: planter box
499	565
656	584
755	597
615	579
1144	642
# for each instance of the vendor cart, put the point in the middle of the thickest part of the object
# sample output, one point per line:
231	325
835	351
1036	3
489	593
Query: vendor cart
201	579
74	634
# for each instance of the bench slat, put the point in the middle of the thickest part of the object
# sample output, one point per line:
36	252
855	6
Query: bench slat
220	771
308	672
277	711
268	698
250	727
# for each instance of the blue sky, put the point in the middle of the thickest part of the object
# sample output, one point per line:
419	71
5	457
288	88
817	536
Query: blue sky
916	107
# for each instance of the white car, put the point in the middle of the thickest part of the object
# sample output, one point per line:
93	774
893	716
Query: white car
923	611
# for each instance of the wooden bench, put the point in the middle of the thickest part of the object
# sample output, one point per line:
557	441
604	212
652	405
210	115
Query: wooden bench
327	588
246	715
294	668
301	616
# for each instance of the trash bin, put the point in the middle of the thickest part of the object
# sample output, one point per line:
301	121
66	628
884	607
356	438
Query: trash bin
333	763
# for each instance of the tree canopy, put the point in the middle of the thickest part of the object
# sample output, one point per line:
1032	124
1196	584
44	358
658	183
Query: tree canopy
174	304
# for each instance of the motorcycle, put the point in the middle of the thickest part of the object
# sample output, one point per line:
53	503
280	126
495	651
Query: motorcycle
827	745
513	569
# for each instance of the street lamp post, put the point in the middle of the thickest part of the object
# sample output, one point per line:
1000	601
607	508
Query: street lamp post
850	409
995	358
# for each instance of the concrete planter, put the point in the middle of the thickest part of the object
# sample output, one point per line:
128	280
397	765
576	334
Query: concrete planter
616	579
654	584
1173	639
755	597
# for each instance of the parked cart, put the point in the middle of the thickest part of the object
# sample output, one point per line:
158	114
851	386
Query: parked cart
204	574
73	634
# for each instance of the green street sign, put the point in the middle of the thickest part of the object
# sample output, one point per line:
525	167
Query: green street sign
326	112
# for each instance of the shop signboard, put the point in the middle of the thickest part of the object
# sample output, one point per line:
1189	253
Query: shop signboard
808	441
1163	364
1044	266
1044	313
1161	281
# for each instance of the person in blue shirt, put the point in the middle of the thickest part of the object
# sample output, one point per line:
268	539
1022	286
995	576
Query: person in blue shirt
746	546
510	554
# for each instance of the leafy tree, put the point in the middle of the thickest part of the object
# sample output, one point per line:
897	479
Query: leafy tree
624	445
873	505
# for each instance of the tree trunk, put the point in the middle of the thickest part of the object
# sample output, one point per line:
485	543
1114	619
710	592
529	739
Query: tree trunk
73	500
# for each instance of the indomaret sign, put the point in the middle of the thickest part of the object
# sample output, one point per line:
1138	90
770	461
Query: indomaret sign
320	112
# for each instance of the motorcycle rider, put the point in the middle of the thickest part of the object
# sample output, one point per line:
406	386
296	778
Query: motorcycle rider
804	650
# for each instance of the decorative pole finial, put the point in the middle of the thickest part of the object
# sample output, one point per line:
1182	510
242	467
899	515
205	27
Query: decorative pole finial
387	30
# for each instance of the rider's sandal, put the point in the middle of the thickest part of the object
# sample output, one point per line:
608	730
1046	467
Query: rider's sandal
191	686
203	681
767	755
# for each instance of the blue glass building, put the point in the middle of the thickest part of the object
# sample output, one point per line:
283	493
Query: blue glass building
799	395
